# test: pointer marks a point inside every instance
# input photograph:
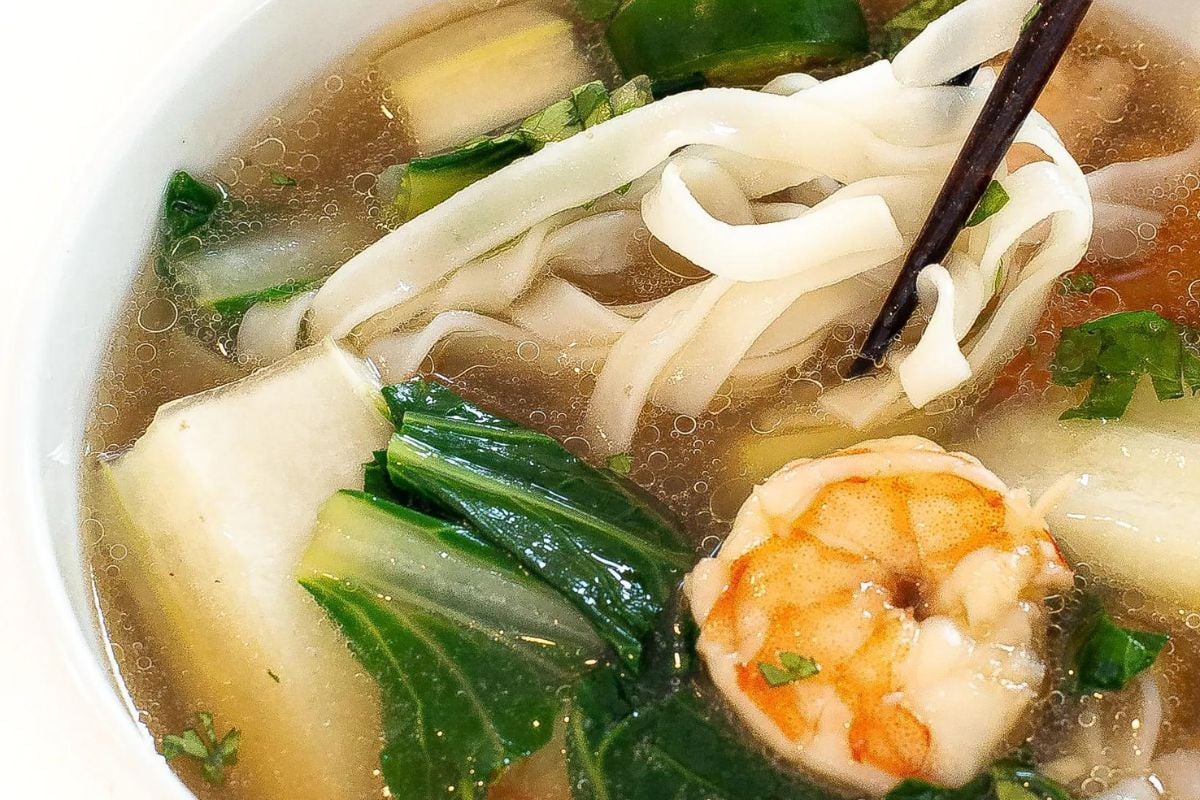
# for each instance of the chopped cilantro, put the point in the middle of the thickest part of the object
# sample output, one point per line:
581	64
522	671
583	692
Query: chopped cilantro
279	179
794	668
1107	657
995	198
621	463
1081	283
1115	352
1031	16
202	745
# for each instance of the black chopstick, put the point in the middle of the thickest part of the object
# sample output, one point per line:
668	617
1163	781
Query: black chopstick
1040	47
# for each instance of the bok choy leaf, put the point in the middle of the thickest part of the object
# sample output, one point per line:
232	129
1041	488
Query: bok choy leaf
587	532
469	650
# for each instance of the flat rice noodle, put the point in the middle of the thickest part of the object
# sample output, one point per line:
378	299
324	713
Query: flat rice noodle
574	172
966	36
697	373
400	355
487	285
831	230
599	244
269	332
638	358
557	311
935	366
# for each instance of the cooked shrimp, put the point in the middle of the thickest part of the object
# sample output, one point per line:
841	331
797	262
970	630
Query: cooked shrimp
914	579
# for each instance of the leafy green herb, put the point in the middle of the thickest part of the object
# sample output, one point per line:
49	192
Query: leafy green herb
425	182
214	755
1115	352
901	29
1078	283
1107	657
995	198
621	463
587	532
280	179
1031	16
469	650
795	667
917	789
189	204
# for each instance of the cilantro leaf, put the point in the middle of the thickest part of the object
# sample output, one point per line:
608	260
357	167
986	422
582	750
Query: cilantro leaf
621	463
1114	353
281	179
1107	657
201	744
795	668
994	199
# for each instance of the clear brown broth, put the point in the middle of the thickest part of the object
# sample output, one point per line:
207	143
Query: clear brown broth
339	133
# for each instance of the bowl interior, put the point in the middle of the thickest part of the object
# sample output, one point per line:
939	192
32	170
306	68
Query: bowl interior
239	72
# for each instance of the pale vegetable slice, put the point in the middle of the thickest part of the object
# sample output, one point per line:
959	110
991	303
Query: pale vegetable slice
475	75
1131	510
220	496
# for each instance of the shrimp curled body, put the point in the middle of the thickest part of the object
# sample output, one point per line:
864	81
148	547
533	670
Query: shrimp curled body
914	579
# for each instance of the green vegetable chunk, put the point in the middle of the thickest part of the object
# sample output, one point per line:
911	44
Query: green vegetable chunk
468	649
729	41
1107	657
587	532
1115	352
901	29
189	204
202	745
795	667
425	182
994	199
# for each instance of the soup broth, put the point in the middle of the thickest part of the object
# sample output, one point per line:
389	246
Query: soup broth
1123	94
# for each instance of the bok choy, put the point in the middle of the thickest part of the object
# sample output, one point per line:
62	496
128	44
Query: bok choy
729	41
587	532
469	650
424	182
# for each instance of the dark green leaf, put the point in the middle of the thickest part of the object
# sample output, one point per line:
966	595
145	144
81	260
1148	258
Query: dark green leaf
585	531
907	24
189	204
1011	776
469	651
995	198
592	104
678	745
1114	353
734	42
187	743
1107	657
917	789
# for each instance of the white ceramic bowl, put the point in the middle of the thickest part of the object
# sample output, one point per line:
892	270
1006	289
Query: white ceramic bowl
240	70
